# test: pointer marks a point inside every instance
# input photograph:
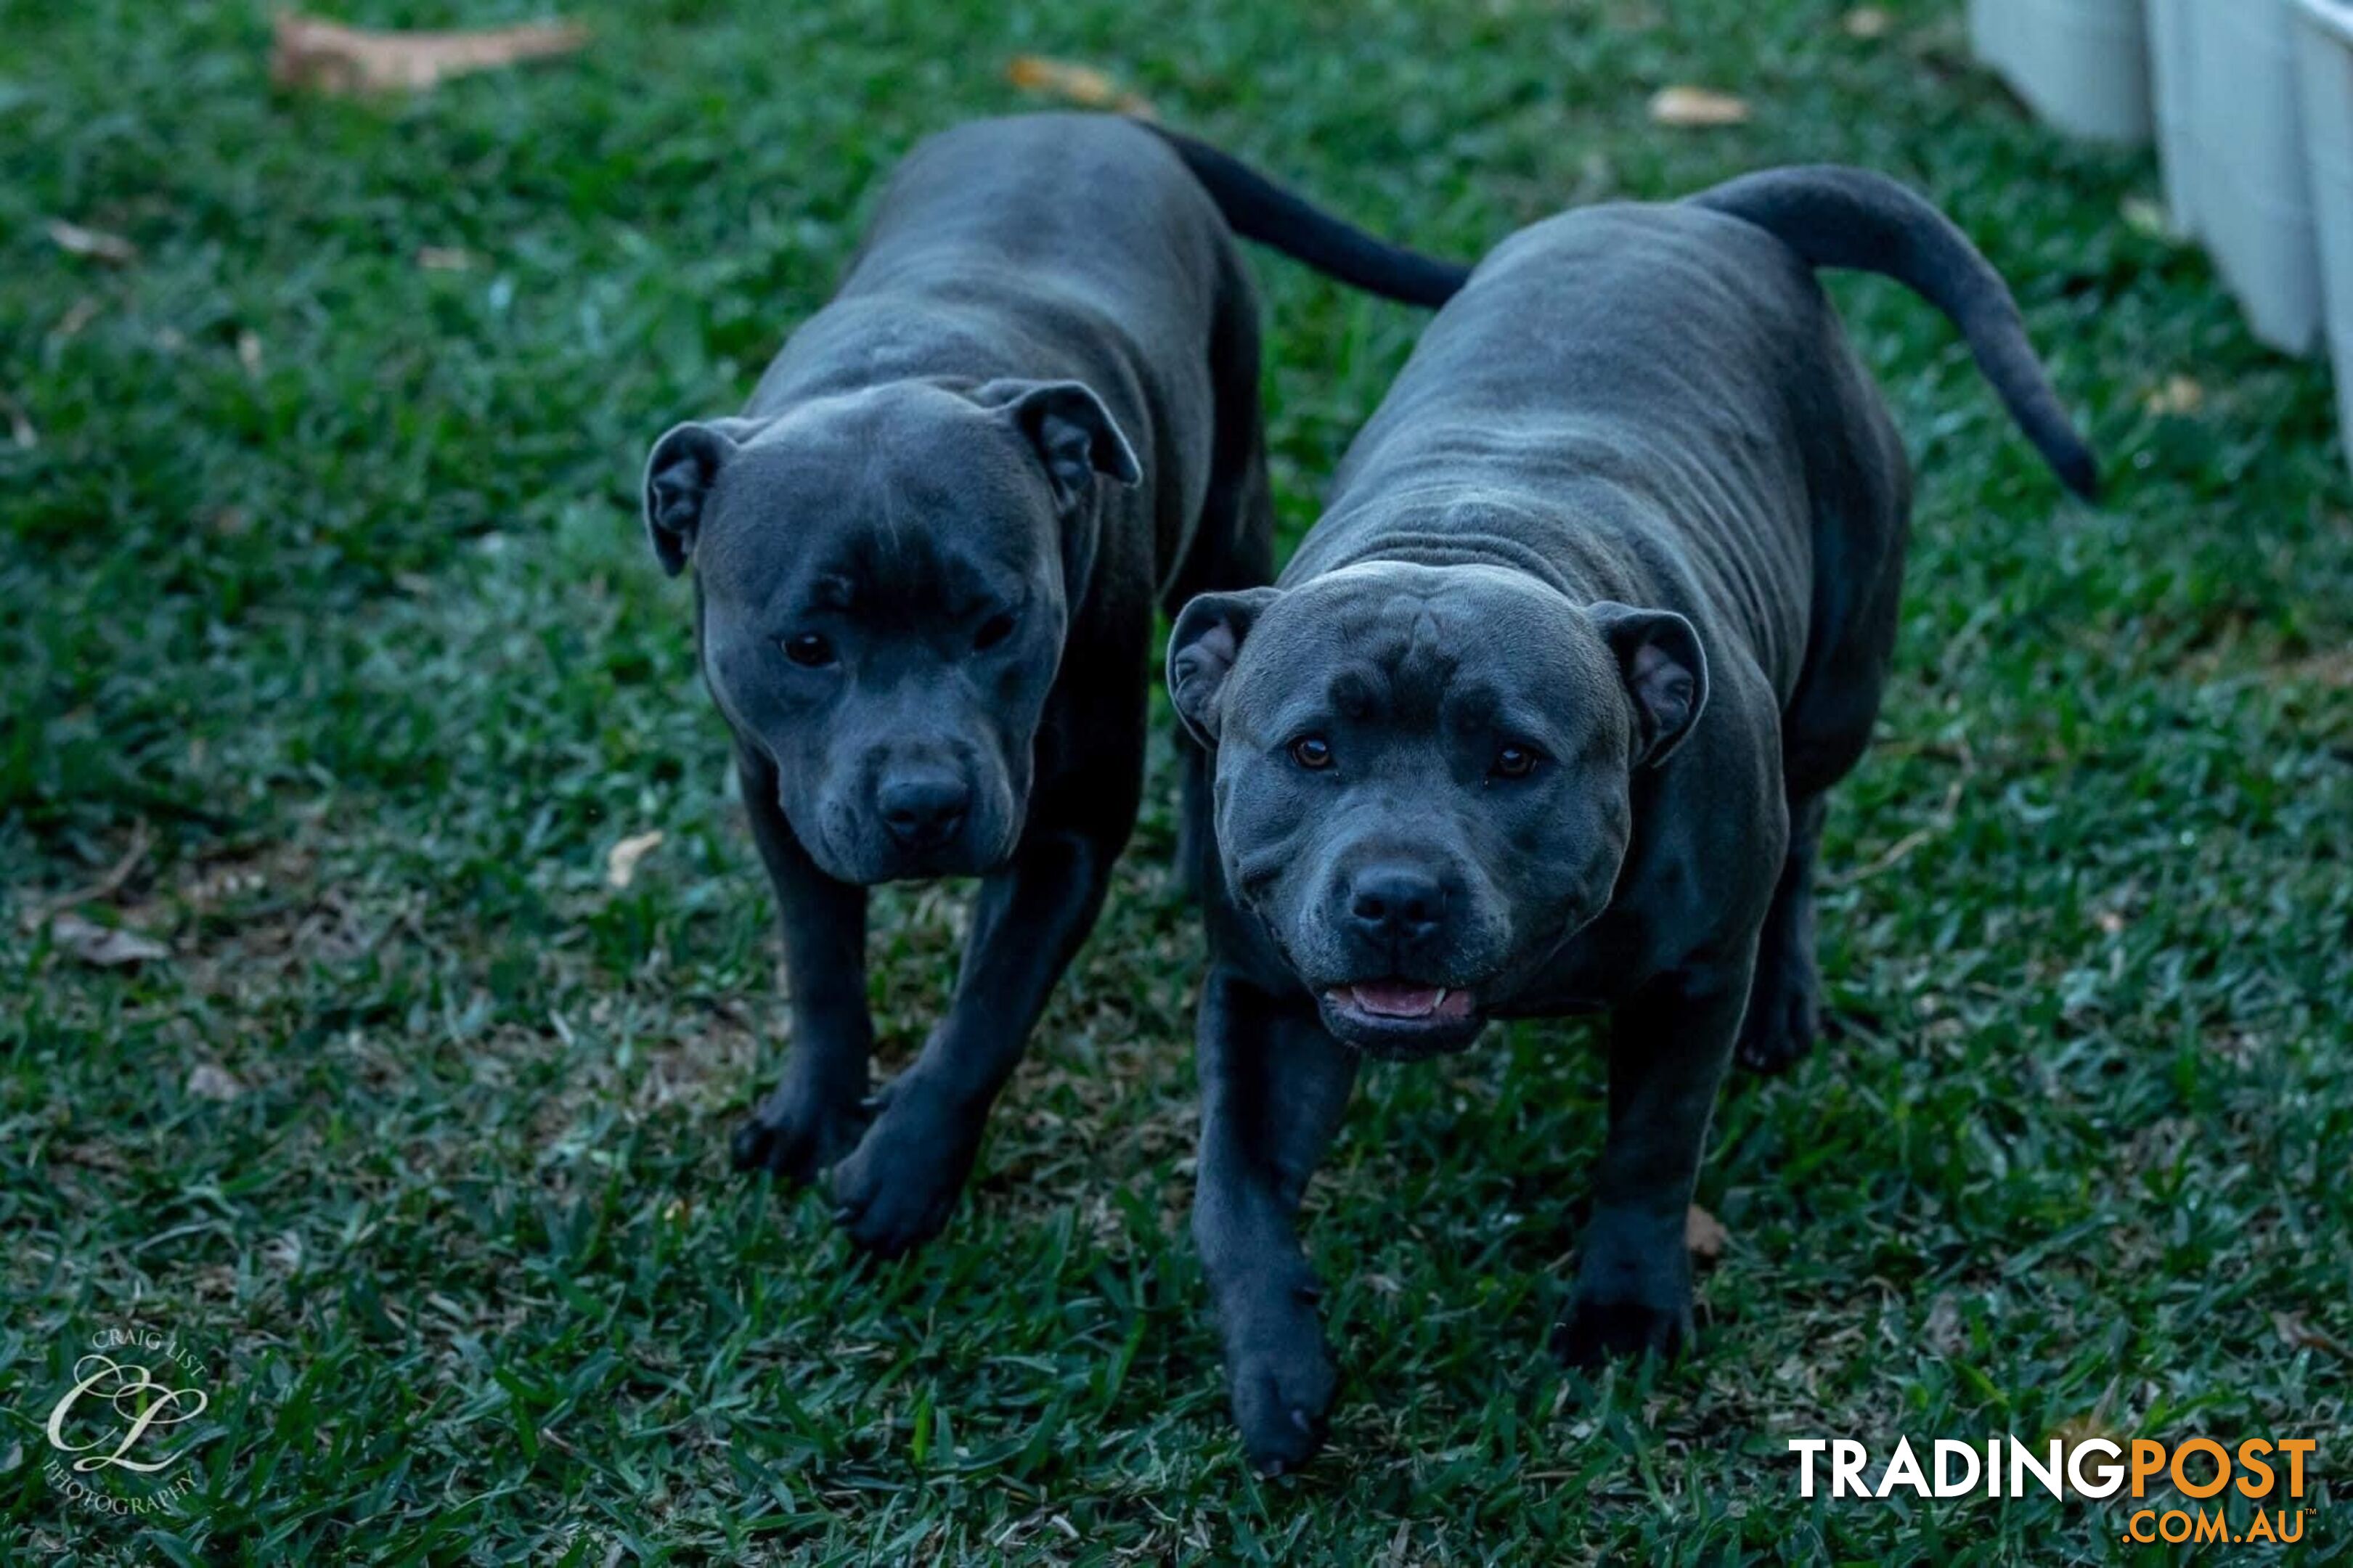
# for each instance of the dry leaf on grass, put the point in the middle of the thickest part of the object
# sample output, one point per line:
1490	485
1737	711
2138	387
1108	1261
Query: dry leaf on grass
1703	1234
2142	215
1697	107
330	58
208	1080
96	242
20	424
2303	1336
1943	1330
444	258
621	860
1867	22
1082	85
108	947
2180	394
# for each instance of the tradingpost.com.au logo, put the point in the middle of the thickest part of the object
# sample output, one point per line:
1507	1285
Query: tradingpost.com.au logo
2271	1473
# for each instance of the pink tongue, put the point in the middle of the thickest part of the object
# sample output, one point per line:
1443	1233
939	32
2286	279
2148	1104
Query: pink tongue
1391	999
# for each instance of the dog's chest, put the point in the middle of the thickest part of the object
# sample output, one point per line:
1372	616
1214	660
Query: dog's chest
1597	969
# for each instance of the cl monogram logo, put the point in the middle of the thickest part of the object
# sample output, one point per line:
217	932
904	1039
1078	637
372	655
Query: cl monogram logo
135	1397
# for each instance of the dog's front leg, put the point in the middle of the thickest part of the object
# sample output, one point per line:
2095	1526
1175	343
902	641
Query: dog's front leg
896	1191
1669	1045
1274	1087
814	1116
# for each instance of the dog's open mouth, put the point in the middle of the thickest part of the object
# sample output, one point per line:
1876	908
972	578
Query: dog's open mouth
1403	1018
1401	999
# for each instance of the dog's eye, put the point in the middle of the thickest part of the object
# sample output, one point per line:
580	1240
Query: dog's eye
992	631
809	650
1515	762
1312	751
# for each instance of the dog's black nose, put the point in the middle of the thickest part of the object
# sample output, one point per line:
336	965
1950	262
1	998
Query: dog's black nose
1395	903
923	812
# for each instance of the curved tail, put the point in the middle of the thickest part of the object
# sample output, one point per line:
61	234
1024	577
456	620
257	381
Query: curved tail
1853	218
1259	209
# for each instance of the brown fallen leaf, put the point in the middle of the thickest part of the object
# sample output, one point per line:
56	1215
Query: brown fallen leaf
96	242
1697	107
1082	85
327	57
621	860
1867	22
209	1081
108	947
1703	1234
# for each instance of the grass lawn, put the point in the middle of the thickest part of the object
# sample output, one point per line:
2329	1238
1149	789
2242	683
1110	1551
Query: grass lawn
326	621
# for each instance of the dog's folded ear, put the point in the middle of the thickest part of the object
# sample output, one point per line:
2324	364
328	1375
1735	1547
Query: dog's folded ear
1202	647
1075	437
680	471
1665	672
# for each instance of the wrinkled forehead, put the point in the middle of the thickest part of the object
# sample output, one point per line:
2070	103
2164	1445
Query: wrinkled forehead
873	509
1409	640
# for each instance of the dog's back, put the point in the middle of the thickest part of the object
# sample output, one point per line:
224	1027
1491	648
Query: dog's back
1672	391
1003	237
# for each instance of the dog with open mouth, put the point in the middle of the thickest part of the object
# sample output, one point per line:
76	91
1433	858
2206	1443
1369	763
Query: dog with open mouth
1541	717
927	557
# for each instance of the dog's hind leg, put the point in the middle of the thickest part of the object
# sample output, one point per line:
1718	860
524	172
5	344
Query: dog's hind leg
1274	1089
1785	998
813	1117
1859	547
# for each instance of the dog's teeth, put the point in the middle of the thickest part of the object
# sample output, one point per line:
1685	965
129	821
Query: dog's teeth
1440	1002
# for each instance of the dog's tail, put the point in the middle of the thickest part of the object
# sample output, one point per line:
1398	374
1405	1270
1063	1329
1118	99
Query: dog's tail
1259	209
1853	218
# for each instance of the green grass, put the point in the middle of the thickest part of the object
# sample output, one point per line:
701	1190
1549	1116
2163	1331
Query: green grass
321	579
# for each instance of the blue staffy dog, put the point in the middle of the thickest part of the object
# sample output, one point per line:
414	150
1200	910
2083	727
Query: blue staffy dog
927	559
1541	717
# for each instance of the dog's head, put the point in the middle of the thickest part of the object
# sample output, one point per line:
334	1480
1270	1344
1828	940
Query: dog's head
883	581
1424	776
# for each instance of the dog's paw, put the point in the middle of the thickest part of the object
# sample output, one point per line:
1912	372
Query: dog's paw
1597	1332
1280	1373
795	1134
896	1191
1633	1293
1784	1018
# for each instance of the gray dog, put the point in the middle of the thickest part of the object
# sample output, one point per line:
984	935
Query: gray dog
927	557
1541	717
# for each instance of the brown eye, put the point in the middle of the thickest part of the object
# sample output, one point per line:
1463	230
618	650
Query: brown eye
992	631
1515	762
809	650
1312	751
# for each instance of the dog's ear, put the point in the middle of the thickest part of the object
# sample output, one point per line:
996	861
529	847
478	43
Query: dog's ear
679	472
1665	672
1074	434
1202	647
